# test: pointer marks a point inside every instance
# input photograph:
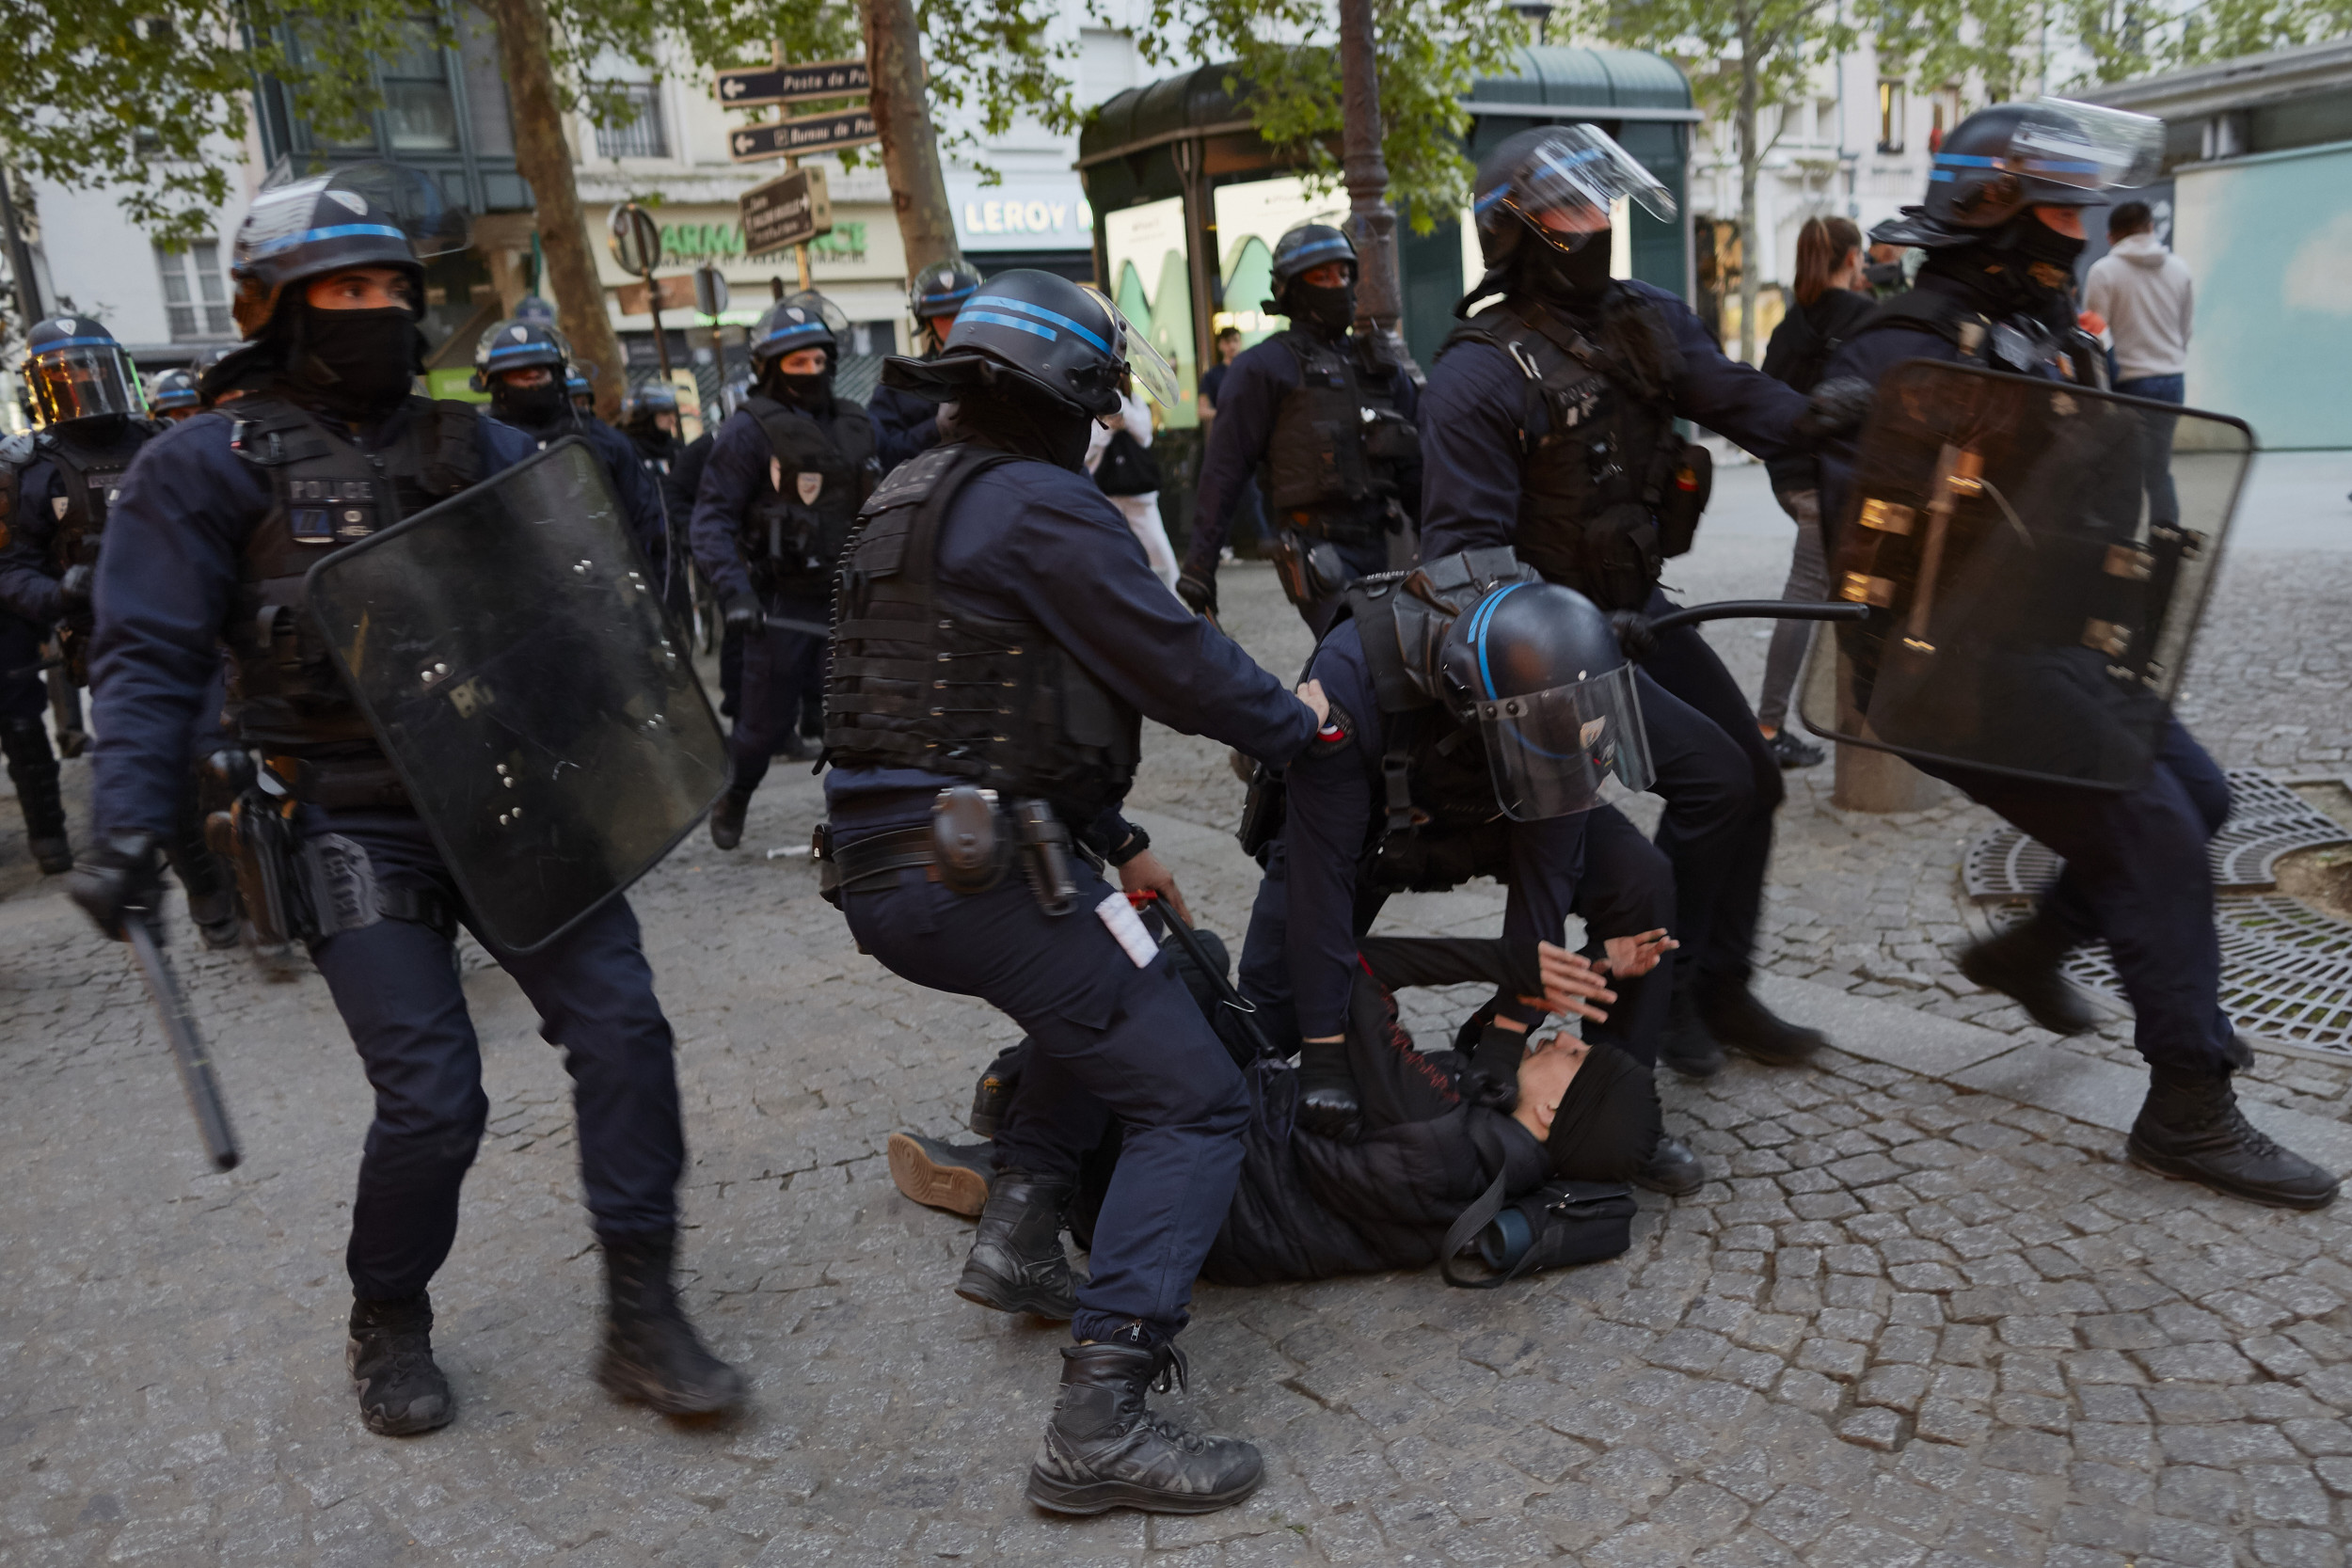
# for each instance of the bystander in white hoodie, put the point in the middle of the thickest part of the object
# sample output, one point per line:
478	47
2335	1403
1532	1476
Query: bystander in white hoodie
2143	291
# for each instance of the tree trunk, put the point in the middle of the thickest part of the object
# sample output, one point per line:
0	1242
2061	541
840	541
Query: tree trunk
1751	160
1379	299
910	143
545	159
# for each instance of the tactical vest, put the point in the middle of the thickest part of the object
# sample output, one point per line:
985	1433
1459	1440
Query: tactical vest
1339	445
91	473
2022	345
916	684
1599	459
819	475
1438	824
325	493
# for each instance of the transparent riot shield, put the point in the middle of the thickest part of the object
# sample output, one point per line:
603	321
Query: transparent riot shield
510	650
2036	558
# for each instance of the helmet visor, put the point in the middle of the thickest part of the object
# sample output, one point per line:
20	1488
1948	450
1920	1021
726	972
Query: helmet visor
1148	365
822	309
415	202
83	378
1576	174
2088	147
1549	751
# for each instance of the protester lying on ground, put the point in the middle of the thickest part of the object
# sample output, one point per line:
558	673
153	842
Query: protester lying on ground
1436	1132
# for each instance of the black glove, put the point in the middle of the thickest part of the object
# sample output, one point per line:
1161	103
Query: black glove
122	874
75	587
1198	591
1836	407
743	614
1634	637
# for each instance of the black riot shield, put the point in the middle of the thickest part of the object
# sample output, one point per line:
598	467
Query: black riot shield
513	658
2035	556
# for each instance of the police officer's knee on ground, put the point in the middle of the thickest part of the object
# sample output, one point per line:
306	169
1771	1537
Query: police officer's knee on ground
1001	631
2002	229
783	482
217	530
1323	416
1549	425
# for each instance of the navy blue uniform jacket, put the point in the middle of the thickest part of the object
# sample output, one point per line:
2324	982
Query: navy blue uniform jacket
1030	541
1470	414
904	424
167	583
1248	401
28	582
734	475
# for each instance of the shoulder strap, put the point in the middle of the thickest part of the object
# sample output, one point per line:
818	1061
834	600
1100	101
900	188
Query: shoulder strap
449	440
1465	1231
270	433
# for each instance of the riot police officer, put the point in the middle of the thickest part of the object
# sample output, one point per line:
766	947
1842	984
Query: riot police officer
784	481
214	533
2002	227
904	423
526	366
581	391
649	417
998	636
1323	415
57	485
1548	425
1420	783
174	397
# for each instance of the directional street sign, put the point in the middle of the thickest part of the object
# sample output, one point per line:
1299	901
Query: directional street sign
754	85
791	209
748	144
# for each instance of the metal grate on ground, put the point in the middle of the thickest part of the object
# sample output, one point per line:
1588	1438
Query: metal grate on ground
2286	968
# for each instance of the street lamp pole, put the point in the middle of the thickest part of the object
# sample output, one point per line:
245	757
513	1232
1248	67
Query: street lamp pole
1380	299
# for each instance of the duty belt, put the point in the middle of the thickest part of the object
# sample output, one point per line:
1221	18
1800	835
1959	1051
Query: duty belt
341	785
851	867
993	839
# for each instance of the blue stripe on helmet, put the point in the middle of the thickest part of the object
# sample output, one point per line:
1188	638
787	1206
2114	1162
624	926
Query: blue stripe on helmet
74	343
1969	160
1321	247
340	231
802	329
939	302
1492	197
992	318
1480	619
1941	177
1044	314
511	349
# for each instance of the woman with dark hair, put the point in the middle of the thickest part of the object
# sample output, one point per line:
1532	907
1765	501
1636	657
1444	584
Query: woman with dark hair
1833	297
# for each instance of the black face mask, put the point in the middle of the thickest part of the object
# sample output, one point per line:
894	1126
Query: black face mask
1028	426
355	363
1330	311
1575	279
2049	255
532	407
811	394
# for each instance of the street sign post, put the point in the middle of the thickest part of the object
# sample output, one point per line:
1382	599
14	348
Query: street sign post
637	247
759	85
792	209
711	300
799	137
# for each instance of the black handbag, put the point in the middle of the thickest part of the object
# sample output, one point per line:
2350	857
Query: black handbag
1127	467
1558	1225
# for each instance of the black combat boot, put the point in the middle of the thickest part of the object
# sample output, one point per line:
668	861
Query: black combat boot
994	1092
33	769
2022	963
1105	1449
1686	1045
726	820
2191	1129
940	1175
1671	1169
391	1358
1328	1103
651	1352
1017	1263
1740	1022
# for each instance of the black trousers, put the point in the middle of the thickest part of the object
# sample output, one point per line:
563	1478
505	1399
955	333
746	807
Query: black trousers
1720	786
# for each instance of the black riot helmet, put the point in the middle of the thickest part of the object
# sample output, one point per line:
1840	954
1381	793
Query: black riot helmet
1035	331
579	388
1999	162
1537	669
804	320
175	395
518	346
359	216
642	406
76	371
1551	181
1306	247
942	288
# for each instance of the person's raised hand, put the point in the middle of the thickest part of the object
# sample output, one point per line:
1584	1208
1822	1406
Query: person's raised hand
1571	983
1628	957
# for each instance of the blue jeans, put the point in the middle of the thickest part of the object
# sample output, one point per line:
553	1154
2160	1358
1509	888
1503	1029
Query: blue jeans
2155	450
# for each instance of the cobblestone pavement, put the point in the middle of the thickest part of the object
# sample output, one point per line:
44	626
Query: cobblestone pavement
1906	1323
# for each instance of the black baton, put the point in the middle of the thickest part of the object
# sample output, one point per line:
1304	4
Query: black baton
1759	609
188	1047
1227	996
